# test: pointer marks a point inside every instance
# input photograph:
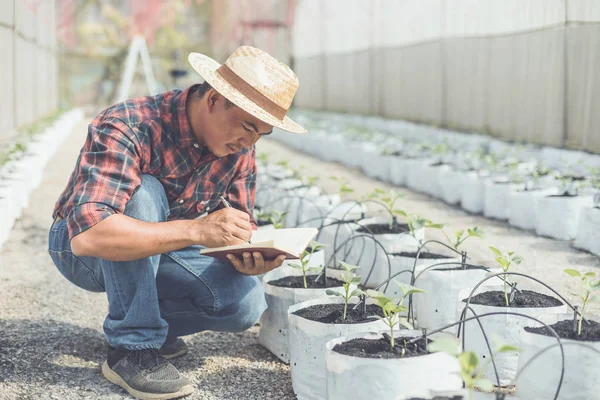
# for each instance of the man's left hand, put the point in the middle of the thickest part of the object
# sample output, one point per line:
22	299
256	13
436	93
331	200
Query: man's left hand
254	264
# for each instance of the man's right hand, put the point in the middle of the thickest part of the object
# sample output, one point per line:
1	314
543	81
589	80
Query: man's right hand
225	227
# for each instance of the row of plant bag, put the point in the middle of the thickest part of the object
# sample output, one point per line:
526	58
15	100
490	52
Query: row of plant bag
22	166
550	190
322	369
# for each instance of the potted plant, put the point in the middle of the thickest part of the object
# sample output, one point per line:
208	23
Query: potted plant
522	203
312	323
539	369
288	285
588	230
451	180
388	363
558	215
497	191
444	282
497	298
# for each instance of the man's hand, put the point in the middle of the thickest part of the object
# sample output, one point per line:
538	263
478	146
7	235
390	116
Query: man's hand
254	264
225	227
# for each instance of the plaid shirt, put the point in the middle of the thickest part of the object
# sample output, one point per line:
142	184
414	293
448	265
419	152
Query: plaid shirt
152	135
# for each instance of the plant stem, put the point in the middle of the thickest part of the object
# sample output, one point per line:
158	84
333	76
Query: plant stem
392	336
581	317
304	277
505	295
345	308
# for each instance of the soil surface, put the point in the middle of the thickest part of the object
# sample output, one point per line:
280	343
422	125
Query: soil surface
589	332
297	282
424	255
457	397
524	299
334	313
383	228
260	222
470	267
380	348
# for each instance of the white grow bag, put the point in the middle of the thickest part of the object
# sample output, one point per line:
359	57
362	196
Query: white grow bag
558	217
539	380
417	174
307	347
450	184
472	193
588	231
330	235
385	379
522	206
398	170
508	327
438	307
273	333
495	203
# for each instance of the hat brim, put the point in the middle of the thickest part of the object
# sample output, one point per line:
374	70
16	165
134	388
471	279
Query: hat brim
207	68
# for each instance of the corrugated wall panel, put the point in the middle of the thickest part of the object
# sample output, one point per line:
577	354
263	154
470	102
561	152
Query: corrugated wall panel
526	86
312	83
7	11
466	66
583	85
412	82
24	78
583	10
7	121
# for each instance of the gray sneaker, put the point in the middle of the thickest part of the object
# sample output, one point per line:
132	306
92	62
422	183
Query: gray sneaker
173	348
145	374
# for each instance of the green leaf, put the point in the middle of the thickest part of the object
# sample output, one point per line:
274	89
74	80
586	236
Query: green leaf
589	274
435	226
572	272
356	279
397	211
408	289
496	251
476	232
331	292
484	384
468	360
295	266
404	322
348	267
356	293
501	346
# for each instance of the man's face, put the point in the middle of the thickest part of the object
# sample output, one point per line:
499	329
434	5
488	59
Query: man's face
229	130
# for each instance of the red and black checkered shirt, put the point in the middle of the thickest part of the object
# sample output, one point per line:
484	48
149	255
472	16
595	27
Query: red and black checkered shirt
152	135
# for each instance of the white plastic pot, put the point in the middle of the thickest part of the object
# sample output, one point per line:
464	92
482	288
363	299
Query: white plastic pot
539	380
522	206
495	203
398	170
351	377
472	193
273	333
436	394
416	174
588	230
307	347
311	213
506	326
438	306
380	167
558	217
338	225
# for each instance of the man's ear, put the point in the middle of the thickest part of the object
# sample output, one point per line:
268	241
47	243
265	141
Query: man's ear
212	97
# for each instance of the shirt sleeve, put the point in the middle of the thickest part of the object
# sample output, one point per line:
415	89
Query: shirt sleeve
108	173
242	189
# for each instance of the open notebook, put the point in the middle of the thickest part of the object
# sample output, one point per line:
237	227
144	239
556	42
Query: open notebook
270	243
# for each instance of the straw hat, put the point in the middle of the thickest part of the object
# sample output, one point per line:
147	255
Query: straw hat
254	81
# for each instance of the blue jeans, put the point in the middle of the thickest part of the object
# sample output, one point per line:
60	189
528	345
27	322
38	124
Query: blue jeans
172	294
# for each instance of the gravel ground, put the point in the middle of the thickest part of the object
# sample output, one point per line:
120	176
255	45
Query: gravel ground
51	340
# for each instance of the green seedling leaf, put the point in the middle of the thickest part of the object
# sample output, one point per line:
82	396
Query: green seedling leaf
408	289
331	292
484	384
356	293
468	360
404	322
496	251
572	272
446	343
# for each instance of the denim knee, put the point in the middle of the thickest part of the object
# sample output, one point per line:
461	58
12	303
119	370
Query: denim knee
149	202
243	308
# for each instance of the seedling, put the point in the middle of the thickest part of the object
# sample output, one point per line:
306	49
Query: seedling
349	278
305	260
389	198
461	235
344	188
391	310
311	180
506	260
273	216
470	371
263	158
589	284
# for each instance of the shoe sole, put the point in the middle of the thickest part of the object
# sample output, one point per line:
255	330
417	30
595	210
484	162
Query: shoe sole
181	352
113	377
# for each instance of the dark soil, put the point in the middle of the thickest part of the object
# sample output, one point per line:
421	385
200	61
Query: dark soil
562	195
297	282
383	228
334	313
424	255
589	332
459	268
524	299
261	222
380	348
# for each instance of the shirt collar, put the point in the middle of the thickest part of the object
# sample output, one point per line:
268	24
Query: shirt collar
184	135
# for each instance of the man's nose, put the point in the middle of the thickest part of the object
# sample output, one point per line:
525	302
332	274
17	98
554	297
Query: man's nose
248	141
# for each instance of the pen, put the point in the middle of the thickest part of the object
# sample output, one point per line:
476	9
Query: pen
226	204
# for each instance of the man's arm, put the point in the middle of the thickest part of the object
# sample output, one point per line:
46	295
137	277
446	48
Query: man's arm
121	238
